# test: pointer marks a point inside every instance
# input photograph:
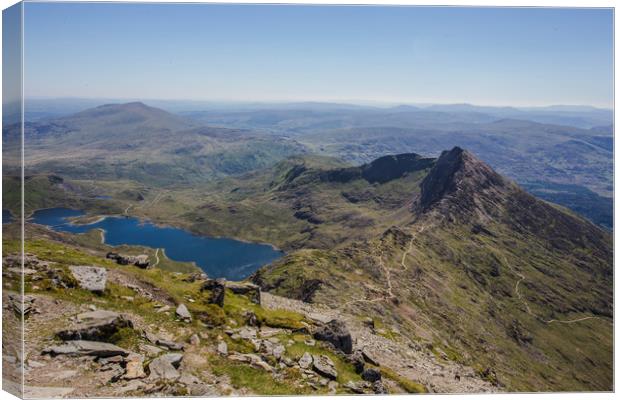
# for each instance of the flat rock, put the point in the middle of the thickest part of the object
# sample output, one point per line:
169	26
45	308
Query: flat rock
44	392
324	366
169	344
165	367
78	348
90	278
97	325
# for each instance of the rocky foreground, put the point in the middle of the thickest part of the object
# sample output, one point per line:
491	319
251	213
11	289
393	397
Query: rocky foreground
106	329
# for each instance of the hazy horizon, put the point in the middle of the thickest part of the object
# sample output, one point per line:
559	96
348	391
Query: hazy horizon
521	57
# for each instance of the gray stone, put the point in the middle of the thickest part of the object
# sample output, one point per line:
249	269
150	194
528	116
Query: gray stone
371	375
183	313
379	388
165	367
97	325
90	278
305	361
194	340
150	350
358	387
222	348
134	367
86	348
324	366
336	333
169	344
278	351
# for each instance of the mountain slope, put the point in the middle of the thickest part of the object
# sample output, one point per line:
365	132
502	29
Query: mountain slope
480	272
135	141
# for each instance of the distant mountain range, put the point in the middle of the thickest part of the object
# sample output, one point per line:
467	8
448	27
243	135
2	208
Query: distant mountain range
568	161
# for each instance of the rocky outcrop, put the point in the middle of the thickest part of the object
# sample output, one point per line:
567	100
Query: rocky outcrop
336	333
90	278
459	182
97	325
216	289
141	260
251	290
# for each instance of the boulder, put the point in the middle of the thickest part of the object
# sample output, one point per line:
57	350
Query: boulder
165	367
371	375
90	278
336	333
217	288
97	325
324	366
305	361
134	366
78	348
183	313
248	289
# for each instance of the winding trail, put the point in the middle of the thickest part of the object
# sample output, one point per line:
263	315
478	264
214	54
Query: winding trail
156	257
388	275
527	307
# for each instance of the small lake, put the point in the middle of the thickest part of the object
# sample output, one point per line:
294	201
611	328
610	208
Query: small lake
218	257
7	217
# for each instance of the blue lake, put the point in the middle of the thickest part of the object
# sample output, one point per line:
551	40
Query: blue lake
7	217
218	257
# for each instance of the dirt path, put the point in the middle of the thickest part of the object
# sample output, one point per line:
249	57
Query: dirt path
388	275
527	307
156	257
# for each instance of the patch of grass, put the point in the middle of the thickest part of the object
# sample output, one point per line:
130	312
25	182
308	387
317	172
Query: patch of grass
346	371
257	380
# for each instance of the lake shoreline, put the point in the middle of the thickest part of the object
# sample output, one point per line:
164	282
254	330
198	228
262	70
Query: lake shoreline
222	256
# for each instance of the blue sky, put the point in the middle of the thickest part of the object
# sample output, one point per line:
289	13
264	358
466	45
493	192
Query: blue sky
485	56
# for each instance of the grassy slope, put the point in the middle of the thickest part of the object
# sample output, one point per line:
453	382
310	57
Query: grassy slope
179	290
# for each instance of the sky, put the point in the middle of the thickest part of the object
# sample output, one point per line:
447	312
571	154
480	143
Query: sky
487	56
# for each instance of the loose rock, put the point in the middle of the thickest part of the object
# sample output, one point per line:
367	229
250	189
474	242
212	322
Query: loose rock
324	366
90	278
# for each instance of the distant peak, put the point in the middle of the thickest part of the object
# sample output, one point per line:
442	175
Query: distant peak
462	180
